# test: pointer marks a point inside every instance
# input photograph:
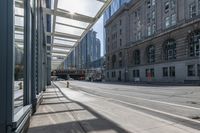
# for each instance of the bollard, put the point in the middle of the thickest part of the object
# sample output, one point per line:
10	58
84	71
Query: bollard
67	84
20	85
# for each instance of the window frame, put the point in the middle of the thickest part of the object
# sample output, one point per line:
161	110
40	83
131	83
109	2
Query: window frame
172	71
151	54
170	49
165	71
136	57
191	71
192	10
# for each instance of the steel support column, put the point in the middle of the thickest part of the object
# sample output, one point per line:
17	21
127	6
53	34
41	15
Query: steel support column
7	64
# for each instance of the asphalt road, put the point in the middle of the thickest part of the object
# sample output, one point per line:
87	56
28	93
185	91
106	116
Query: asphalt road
174	103
136	109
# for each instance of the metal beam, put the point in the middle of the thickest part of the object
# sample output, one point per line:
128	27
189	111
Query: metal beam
62	46
65	35
66	14
71	26
59	52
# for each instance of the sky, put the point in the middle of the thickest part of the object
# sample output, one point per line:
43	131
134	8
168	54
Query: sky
98	27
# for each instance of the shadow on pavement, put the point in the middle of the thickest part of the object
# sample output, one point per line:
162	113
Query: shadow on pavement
98	124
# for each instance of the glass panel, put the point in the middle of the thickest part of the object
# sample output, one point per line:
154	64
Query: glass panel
19	60
19	37
65	39
61	50
19	21
68	30
19	11
64	42
57	54
85	7
71	22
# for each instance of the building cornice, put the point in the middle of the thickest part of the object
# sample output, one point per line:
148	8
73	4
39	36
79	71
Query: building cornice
123	8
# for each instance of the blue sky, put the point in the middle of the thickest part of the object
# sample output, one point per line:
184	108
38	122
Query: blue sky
98	27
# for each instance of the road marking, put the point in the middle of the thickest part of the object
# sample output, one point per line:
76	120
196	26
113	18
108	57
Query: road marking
146	108
139	98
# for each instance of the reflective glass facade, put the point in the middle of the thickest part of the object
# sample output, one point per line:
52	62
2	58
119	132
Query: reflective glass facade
116	4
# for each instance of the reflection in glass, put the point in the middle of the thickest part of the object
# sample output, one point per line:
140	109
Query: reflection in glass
19	55
85	7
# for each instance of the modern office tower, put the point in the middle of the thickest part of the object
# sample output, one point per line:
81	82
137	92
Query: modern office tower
86	52
98	49
154	41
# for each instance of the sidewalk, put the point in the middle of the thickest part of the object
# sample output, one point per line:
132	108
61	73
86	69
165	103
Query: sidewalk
77	112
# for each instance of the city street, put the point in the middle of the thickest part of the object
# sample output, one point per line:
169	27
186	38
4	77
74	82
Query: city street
178	105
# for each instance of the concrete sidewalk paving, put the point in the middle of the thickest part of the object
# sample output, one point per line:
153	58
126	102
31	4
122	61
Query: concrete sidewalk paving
71	111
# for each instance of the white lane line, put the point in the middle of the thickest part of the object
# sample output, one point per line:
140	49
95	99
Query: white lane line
143	107
146	108
133	97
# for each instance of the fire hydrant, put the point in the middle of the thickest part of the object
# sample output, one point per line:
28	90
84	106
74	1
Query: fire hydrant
67	84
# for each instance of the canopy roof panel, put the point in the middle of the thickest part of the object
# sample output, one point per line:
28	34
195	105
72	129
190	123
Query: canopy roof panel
71	20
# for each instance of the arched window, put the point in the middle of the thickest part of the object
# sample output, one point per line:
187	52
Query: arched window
136	57
113	61
151	54
170	49
194	43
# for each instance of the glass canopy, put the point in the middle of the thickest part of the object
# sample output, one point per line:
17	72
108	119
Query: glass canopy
71	20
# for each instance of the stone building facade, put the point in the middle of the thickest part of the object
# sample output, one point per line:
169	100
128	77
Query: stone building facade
154	41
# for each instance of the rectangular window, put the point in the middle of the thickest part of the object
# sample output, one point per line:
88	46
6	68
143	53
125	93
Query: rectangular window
153	2
136	14
167	7
19	48
148	3
191	70
198	70
120	41
133	73
172	72
149	30
107	74
153	16
152	72
148	18
165	71
136	73
196	48
173	4
113	74
139	36
167	22
198	7
153	28
173	19
120	32
120	63
147	72
192	10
